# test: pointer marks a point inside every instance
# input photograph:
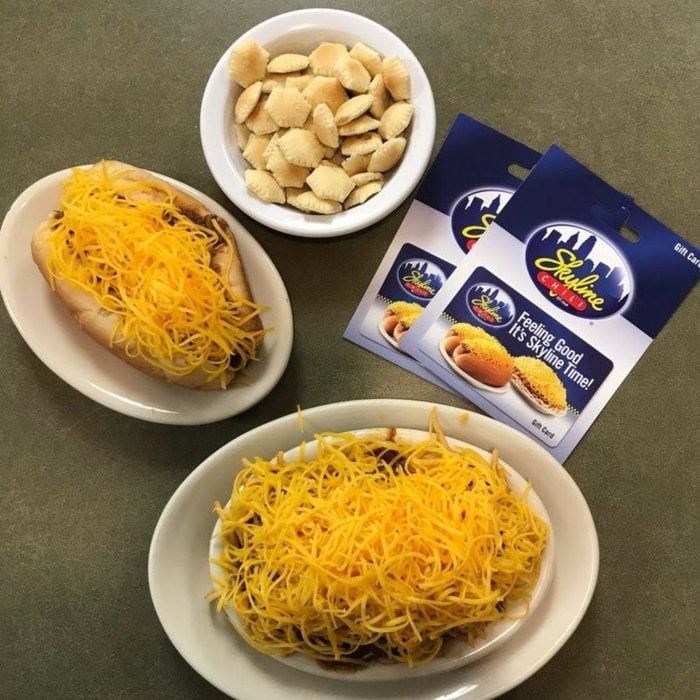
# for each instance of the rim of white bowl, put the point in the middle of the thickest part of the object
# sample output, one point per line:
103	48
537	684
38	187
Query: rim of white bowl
171	585
213	129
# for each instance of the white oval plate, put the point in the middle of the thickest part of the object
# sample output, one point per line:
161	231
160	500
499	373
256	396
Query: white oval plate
178	568
302	31
53	335
455	653
474	382
535	404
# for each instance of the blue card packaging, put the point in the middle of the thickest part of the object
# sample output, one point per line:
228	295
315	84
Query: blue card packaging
544	319
465	188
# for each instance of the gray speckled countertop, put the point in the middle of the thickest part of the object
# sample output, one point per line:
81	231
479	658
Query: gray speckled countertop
617	84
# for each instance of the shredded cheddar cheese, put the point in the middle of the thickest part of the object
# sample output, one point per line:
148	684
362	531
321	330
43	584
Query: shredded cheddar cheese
467	332
542	380
407	311
149	263
376	548
300	419
489	351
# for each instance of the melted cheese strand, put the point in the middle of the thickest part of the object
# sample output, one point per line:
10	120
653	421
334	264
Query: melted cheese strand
150	264
375	549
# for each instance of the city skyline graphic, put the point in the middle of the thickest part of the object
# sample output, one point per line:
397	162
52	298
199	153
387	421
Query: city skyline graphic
430	275
499	300
599	257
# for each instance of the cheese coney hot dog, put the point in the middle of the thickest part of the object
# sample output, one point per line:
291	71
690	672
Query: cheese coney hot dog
151	274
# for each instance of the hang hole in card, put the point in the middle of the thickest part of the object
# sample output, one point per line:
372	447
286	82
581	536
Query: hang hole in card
519	171
629	234
616	218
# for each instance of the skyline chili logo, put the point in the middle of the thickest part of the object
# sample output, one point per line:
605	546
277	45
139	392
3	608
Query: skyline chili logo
578	271
421	278
473	214
490	305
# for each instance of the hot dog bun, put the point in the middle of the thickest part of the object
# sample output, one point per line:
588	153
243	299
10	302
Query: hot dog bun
479	354
485	362
399	316
102	324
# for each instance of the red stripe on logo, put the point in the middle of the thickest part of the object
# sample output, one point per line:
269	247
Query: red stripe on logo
562	291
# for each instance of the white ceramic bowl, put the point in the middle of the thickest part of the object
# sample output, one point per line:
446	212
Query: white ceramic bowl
178	569
455	653
301	32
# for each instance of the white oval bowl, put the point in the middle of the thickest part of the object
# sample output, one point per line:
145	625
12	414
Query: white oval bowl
178	568
455	653
300	32
56	339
